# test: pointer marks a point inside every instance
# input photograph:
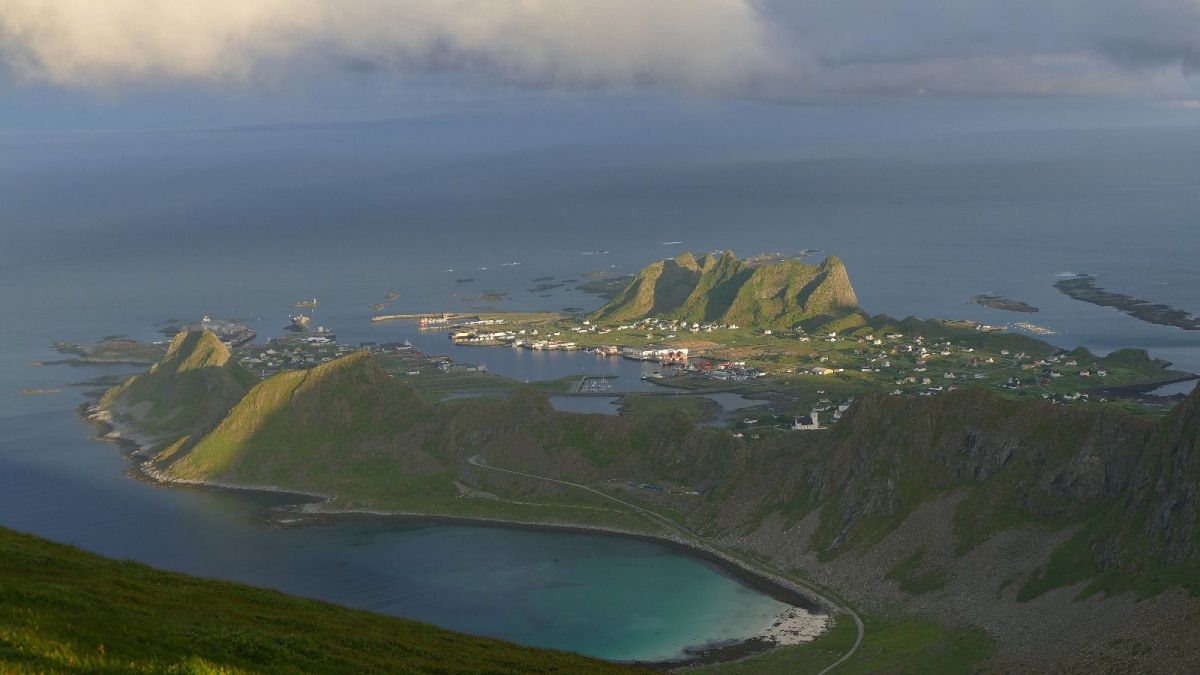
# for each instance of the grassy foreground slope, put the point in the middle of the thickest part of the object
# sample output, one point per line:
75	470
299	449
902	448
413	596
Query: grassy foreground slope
64	610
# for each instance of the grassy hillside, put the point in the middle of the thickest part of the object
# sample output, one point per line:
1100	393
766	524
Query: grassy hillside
302	421
347	428
1105	496
724	289
660	287
64	610
183	395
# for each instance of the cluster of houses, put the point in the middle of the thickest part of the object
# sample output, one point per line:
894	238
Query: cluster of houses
447	319
664	355
482	337
290	353
733	371
674	325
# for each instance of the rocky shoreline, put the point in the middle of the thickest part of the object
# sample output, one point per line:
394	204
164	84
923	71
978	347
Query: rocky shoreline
1083	287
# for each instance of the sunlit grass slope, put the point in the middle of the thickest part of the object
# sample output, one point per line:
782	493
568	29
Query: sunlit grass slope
64	610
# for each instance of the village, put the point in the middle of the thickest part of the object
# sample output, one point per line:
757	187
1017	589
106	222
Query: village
796	363
801	379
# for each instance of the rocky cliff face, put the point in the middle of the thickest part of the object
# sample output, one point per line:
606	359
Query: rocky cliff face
1158	521
724	289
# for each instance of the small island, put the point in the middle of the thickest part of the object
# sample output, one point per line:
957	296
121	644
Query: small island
114	349
1002	303
1083	287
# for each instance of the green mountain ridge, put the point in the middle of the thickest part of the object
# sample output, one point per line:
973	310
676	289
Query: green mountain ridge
1123	487
346	426
306	421
723	289
185	394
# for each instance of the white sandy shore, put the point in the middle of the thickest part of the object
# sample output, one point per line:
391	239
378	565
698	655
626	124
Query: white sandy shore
794	626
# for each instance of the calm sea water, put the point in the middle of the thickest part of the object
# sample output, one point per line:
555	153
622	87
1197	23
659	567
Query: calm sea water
110	233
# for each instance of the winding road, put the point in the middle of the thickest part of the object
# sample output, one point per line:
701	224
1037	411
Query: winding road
476	461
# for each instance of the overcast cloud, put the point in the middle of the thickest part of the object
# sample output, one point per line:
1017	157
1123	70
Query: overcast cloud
801	50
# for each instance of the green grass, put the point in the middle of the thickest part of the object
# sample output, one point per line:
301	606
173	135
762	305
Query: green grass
1074	561
697	408
437	386
64	610
909	575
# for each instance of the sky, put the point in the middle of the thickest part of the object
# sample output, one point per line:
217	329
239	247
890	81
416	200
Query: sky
163	63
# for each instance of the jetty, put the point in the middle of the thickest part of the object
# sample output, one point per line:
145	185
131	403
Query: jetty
440	317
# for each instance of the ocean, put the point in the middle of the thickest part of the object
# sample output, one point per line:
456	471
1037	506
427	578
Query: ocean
105	233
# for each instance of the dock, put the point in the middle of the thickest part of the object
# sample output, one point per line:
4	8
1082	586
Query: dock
439	316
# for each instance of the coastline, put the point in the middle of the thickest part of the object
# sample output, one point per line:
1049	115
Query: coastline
796	598
311	509
1143	390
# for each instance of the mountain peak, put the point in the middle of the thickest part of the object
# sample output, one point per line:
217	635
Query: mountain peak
183	395
291	416
721	288
195	349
